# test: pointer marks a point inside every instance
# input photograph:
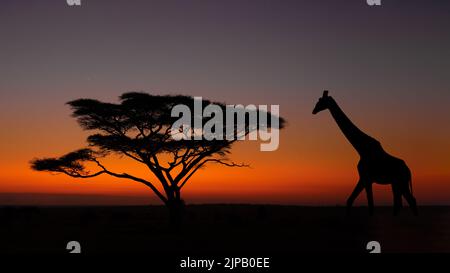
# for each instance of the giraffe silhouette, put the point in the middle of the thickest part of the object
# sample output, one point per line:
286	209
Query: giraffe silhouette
375	165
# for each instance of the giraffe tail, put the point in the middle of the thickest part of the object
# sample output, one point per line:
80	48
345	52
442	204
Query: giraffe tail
410	183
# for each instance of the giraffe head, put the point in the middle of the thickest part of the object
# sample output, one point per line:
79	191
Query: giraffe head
323	103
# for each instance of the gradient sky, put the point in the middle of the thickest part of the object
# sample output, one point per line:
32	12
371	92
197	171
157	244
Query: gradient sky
388	67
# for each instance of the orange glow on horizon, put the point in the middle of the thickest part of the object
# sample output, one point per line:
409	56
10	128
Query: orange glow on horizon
280	177
313	165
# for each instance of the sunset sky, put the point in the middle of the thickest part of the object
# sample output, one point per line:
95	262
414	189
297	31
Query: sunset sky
388	67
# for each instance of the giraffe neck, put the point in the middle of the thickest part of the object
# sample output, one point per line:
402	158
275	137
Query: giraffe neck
357	138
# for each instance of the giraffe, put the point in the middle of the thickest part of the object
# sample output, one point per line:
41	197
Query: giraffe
375	165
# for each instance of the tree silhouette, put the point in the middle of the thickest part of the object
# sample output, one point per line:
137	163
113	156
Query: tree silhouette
140	128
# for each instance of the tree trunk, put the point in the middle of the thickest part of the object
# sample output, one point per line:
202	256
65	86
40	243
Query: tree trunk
176	212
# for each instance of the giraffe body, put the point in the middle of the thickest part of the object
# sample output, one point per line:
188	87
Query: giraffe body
375	164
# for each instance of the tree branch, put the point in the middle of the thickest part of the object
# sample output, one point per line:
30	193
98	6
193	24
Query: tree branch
228	164
128	176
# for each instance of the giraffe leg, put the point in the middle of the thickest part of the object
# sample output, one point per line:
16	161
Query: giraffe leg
369	193
359	187
411	200
397	198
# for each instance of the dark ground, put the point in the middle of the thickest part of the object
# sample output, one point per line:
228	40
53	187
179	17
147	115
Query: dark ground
222	229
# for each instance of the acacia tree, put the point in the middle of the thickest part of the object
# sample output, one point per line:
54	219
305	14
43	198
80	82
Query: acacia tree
140	128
